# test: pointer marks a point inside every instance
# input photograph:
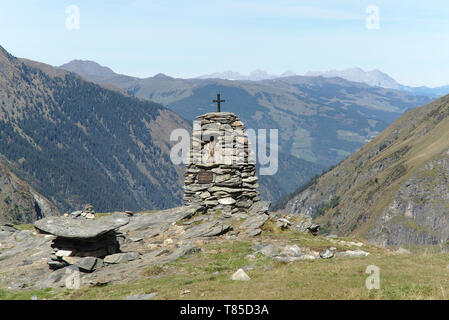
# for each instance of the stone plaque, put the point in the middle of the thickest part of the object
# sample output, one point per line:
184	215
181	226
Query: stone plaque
205	177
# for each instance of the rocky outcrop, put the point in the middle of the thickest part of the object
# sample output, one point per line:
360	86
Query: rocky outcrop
392	192
82	241
81	227
418	212
19	202
108	248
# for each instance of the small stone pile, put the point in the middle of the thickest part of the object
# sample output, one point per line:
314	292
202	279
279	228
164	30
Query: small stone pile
66	251
221	174
88	212
78	238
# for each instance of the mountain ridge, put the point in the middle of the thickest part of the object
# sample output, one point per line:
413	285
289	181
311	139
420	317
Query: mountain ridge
77	142
373	77
393	191
19	202
297	106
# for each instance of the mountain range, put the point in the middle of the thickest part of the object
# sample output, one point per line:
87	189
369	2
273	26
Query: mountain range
381	79
103	138
394	190
373	78
255	75
320	120
73	142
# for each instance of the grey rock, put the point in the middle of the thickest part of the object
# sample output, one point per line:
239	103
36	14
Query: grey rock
250	180
76	213
54	264
259	207
180	252
25	245
63	253
161	218
253	232
224	189
148	296
251	257
88	264
291	251
254	222
221	178
52	280
211	203
22	235
121	257
287	259
5	235
227	201
269	250
8	227
233	182
303	224
80	228
327	254
155	253
352	253
207	229
244	204
403	251
283	223
240	275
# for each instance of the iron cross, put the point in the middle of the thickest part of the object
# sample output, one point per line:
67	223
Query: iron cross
218	101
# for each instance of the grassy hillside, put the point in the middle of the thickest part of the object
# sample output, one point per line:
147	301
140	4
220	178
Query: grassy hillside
392	191
205	275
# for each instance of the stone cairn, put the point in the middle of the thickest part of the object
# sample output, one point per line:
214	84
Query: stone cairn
82	237
88	212
221	174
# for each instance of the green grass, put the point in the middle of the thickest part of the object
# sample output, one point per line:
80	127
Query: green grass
26	294
401	277
422	275
27	226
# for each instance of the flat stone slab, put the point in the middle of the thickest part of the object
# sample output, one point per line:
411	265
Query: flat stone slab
259	207
254	222
71	228
121	257
207	229
160	218
352	253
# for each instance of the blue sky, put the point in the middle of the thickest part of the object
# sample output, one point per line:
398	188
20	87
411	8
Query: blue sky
190	38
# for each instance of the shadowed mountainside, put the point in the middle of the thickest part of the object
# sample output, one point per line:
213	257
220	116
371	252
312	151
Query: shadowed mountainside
76	142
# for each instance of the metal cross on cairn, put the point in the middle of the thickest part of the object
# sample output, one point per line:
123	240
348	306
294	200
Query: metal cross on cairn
218	101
